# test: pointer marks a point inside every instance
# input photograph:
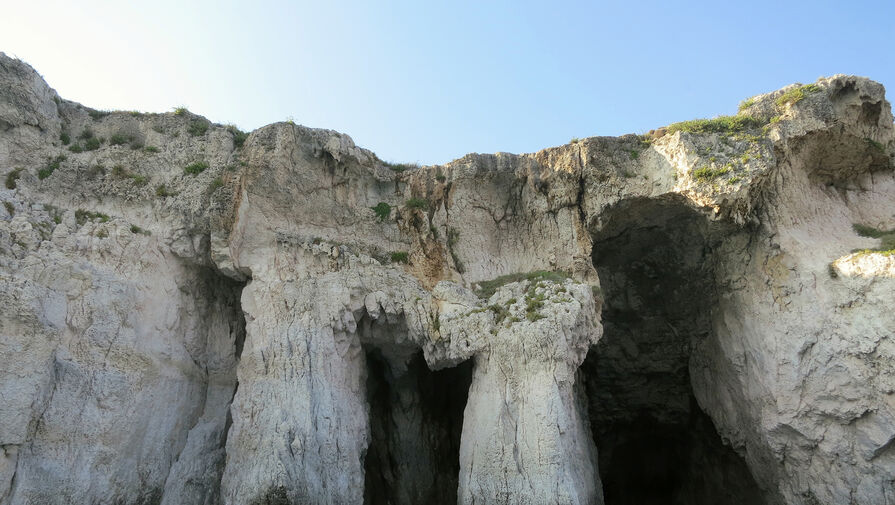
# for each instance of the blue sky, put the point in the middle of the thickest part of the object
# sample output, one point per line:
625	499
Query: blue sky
430	81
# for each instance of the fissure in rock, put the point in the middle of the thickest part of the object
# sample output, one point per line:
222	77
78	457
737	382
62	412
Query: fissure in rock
416	417
656	446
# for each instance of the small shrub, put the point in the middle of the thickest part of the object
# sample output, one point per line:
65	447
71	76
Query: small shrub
197	127
180	111
96	170
887	239
400	167
195	168
417	203
634	154
158	129
65	138
76	148
720	124
745	104
87	133
488	288
137	230
102	233
10	208
215	184
139	180
97	114
82	216
51	167
733	180
874	144
91	144
239	136
453	236
383	210
12	177
162	191
440	178
119	171
708	173
151	149
399	257
574	140
796	95
118	139
500	312
136	144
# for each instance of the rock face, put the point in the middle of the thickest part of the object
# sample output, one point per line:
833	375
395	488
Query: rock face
190	315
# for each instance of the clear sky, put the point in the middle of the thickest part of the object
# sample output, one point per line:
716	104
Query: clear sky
427	82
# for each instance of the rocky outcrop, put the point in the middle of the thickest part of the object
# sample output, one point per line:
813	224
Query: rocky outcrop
193	315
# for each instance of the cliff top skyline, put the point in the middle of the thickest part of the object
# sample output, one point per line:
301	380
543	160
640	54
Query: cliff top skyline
426	83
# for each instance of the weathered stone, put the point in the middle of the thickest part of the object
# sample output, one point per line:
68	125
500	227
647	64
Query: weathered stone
682	317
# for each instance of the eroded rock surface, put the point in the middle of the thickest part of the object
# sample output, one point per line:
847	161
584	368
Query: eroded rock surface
700	315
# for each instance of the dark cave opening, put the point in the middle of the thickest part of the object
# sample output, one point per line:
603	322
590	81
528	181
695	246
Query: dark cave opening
416	418
656	446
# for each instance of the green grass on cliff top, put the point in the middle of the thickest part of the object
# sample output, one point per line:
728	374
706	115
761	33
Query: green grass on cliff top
720	124
887	239
488	288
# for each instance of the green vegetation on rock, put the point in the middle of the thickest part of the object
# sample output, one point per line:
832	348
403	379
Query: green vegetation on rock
399	257
195	168
417	203
887	239
382	210
720	124
796	95
12	177
488	288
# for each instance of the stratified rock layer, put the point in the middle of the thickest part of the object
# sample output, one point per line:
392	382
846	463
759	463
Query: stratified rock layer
190	316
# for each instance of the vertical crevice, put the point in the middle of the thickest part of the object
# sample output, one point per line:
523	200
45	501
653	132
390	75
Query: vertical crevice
416	416
195	475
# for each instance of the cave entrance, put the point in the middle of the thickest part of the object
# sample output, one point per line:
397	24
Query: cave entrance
655	444
416	418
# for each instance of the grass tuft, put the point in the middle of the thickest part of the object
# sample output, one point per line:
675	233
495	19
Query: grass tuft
400	167
119	139
417	203
51	167
239	136
488	288
12	178
399	257
162	191
197	127
796	95
195	168
82	216
707	173
720	124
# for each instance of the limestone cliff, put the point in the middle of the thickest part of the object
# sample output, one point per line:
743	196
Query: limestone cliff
192	315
